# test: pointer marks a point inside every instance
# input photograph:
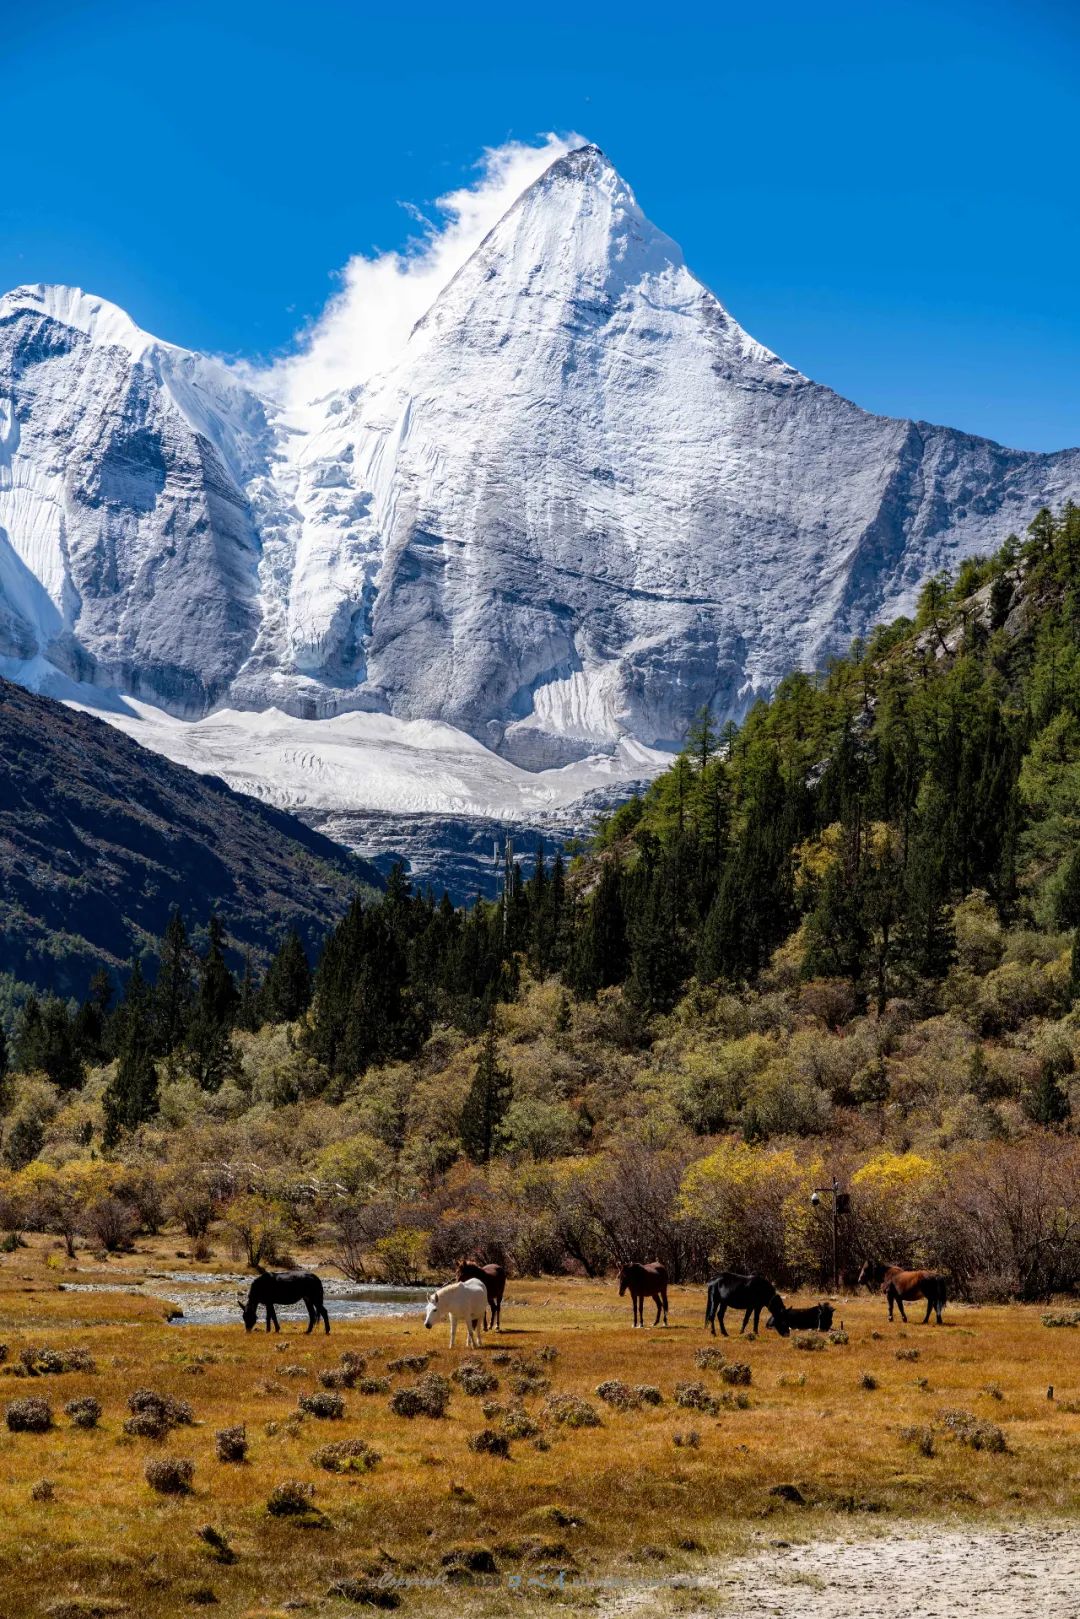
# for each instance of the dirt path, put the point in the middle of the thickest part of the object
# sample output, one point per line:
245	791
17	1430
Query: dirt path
950	1574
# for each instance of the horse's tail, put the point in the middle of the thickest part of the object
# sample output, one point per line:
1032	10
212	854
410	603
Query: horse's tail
710	1307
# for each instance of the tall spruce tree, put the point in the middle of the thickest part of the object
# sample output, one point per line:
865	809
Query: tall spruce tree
131	1097
211	1053
487	1102
286	990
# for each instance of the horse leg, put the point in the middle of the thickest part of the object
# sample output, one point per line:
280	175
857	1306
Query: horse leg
453	1329
890	1296
324	1312
720	1317
665	1306
312	1316
929	1307
271	1315
757	1317
900	1307
656	1323
745	1319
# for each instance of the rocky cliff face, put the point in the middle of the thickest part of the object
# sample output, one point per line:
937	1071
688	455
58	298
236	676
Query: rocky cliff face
581	504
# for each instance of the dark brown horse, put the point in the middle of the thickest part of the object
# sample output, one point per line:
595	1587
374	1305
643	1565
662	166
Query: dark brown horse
645	1282
732	1290
494	1279
294	1287
812	1317
899	1284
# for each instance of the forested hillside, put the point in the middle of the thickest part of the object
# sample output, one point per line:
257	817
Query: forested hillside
838	940
100	839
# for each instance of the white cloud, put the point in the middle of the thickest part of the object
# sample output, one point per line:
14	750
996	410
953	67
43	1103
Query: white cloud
366	323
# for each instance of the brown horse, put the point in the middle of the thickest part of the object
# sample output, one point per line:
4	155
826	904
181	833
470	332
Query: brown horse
645	1282
898	1284
494	1279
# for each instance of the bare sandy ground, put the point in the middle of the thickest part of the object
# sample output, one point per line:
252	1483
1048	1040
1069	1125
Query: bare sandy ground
946	1574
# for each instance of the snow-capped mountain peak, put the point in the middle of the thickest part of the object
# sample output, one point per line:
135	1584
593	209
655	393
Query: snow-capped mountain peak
580	504
99	320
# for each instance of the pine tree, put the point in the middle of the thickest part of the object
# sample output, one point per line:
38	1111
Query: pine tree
286	989
601	957
46	1043
209	1040
173	991
131	1097
487	1102
92	1018
1047	1103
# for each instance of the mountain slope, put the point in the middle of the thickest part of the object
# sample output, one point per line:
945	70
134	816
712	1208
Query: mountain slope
99	839
581	504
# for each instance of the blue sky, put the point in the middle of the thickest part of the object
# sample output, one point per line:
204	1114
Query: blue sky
884	194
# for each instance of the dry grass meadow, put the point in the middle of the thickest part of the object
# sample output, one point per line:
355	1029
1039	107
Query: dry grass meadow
634	1498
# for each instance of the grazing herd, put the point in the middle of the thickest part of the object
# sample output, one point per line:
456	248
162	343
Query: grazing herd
476	1298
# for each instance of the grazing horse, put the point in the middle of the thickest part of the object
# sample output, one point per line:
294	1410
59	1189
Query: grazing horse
750	1293
645	1282
816	1317
272	1288
459	1301
494	1279
898	1284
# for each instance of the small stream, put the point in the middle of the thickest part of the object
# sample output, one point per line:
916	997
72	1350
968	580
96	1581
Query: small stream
209	1298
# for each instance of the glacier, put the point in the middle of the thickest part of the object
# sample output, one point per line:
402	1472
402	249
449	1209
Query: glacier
492	580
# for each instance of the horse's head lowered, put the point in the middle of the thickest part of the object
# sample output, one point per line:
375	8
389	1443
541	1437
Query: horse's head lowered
248	1308
431	1314
778	1319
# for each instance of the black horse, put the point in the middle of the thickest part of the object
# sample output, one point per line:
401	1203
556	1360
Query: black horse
750	1293
817	1317
271	1288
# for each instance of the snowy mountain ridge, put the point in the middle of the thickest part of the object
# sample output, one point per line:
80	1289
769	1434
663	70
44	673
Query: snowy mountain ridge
581	503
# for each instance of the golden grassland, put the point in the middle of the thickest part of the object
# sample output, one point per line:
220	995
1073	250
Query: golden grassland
615	1501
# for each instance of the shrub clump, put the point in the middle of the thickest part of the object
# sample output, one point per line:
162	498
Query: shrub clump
410	1363
1062	1318
907	1354
649	1394
231	1444
488	1442
809	1341
170	1475
427	1398
473	1377
328	1406
40	1362
571	1411
85	1412
696	1397
373	1385
43	1490
29	1415
970	1430
710	1359
529	1382
738	1373
837	1336
154	1415
619	1394
346	1456
868	1381
691	1440
921	1437
517	1423
292	1499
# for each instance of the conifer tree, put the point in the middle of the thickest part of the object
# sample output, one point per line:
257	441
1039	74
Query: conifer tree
286	989
131	1097
211	1052
487	1102
173	992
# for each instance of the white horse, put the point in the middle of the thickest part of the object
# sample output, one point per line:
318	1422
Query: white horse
460	1301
